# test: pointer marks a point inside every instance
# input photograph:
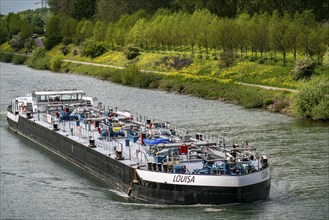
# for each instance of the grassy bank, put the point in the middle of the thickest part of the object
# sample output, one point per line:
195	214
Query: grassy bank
205	78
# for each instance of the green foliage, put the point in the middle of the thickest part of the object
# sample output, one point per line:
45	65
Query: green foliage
249	97
93	49
19	59
12	24
39	59
17	42
55	64
129	74
69	30
131	52
280	105
313	101
83	9
304	68
52	41
53	32
3	33
6	57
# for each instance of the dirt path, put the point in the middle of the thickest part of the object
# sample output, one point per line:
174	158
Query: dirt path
110	66
151	71
267	87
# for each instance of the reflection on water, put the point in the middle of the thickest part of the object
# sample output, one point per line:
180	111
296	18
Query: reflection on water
38	185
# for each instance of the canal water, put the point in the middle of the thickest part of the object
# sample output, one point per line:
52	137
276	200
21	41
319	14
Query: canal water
36	184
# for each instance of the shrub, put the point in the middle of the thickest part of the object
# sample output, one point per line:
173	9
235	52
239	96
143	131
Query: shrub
250	98
303	68
52	41
19	59
129	74
313	101
39	59
93	49
268	101
280	105
6	57
131	52
55	64
17	42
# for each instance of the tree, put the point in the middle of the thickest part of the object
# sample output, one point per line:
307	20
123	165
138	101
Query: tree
109	37
317	42
259	36
280	36
68	30
12	24
26	30
294	32
306	21
193	29
87	29
99	31
3	32
205	20
242	23
227	38
83	9
53	32
137	34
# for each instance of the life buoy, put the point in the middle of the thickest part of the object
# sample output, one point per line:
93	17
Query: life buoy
231	167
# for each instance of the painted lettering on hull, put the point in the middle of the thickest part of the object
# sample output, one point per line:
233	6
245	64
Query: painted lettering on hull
183	179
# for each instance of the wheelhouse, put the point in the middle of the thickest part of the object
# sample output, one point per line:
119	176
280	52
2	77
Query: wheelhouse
46	97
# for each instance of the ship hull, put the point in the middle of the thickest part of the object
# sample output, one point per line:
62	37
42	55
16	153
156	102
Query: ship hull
124	177
185	194
111	171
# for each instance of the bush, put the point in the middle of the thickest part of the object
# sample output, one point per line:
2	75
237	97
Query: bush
280	105
313	101
17	42
39	59
6	57
130	74
19	59
304	68
267	101
131	52
52	41
250	98
55	64
93	49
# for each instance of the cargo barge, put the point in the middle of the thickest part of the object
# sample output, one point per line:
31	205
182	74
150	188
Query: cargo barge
149	160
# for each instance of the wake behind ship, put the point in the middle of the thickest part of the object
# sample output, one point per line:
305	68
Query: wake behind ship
151	161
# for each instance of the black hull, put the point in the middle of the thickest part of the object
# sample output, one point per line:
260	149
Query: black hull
121	176
181	194
100	165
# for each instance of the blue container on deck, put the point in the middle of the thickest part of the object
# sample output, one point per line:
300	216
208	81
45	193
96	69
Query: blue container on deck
133	136
78	123
178	168
127	142
159	159
156	141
